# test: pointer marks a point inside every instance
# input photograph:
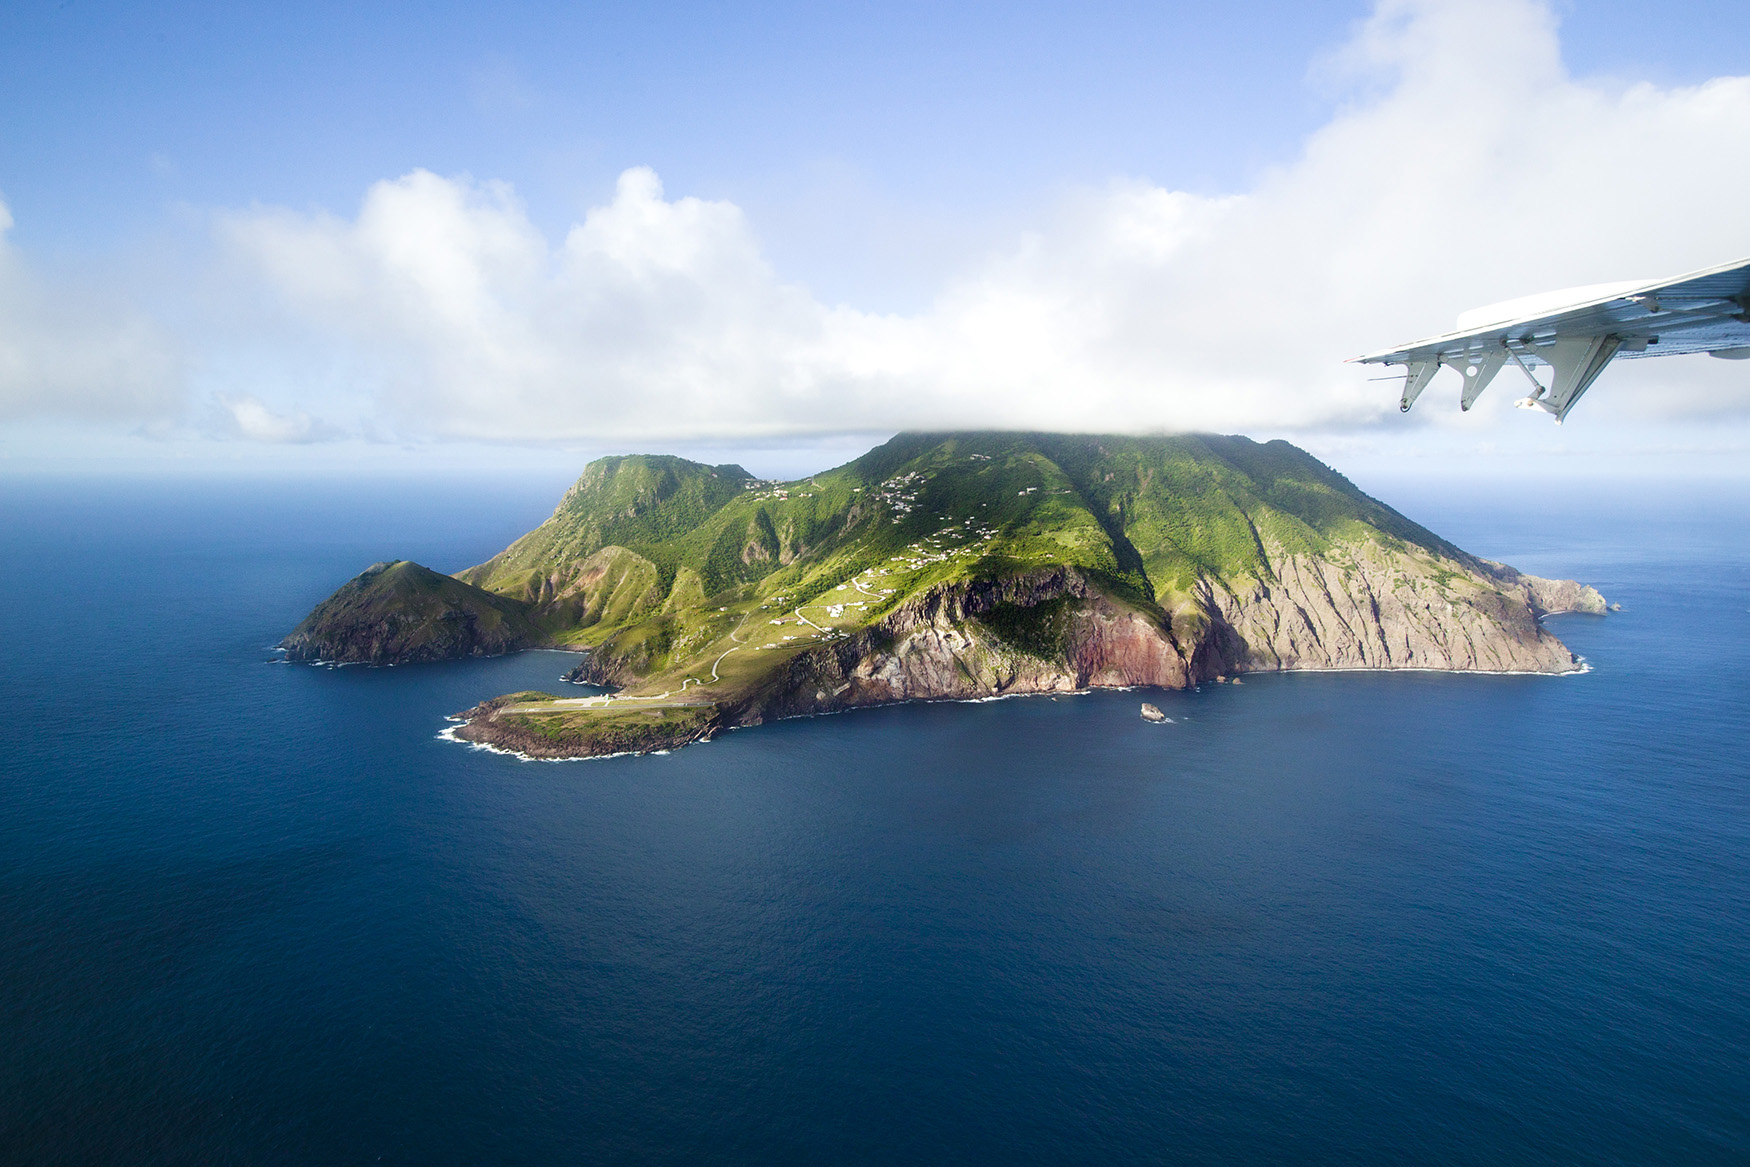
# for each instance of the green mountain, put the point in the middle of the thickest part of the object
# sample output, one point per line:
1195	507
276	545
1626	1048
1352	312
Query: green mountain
399	611
972	564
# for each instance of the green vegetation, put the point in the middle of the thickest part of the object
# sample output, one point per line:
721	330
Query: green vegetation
1039	629
661	565
613	730
656	562
399	611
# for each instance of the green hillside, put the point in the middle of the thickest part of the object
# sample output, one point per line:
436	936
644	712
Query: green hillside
398	612
642	549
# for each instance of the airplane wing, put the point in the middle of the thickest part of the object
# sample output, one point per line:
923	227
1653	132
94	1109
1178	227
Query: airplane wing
1577	332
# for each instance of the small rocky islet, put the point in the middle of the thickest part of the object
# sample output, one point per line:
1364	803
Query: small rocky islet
949	566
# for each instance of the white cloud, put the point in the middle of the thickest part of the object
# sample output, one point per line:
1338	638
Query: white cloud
652	316
1472	168
1466	167
76	352
247	417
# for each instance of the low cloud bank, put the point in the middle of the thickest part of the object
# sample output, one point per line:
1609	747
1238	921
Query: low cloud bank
1468	167
244	416
74	351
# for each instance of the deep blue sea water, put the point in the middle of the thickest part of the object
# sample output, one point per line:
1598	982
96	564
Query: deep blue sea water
259	913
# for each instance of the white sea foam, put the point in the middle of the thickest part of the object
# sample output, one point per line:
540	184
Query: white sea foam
1580	667
449	735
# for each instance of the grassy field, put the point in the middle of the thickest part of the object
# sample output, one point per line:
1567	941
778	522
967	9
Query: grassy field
543	724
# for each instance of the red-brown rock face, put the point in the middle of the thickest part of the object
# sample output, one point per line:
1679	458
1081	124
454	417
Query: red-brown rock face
1379	609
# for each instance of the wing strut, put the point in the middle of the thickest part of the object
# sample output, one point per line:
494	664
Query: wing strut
1477	370
1417	374
1577	361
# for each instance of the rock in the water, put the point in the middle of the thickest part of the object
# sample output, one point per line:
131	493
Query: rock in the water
1152	712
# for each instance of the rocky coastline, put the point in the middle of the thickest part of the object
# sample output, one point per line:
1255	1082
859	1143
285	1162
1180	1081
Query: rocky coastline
939	647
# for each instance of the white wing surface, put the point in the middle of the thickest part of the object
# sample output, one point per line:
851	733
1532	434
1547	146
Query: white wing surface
1575	333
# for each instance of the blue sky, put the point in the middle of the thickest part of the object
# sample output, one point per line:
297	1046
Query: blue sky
881	158
923	117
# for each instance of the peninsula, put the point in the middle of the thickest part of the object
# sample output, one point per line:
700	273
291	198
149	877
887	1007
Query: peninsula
942	566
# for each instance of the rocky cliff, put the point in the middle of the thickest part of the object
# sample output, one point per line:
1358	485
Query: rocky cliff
1059	632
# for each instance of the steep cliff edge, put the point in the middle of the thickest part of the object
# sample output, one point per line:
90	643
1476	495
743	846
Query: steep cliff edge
1547	597
957	566
1371	607
1060	632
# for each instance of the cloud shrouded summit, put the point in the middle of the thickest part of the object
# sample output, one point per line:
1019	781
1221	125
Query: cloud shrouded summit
1469	167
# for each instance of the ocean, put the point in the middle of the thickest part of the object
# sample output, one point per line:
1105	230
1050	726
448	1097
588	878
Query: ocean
259	913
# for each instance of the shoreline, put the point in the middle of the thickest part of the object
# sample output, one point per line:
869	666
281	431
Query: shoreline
449	735
459	722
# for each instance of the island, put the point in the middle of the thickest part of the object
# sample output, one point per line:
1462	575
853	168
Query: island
941	566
